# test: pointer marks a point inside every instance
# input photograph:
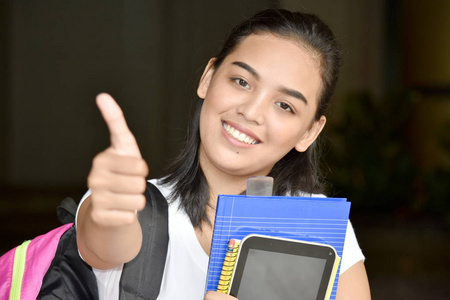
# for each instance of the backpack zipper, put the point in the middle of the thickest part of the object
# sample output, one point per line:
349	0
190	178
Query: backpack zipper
18	270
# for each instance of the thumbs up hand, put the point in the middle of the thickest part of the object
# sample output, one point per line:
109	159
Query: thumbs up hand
122	140
117	177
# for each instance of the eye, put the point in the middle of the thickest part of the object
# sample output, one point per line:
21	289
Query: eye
241	82
285	106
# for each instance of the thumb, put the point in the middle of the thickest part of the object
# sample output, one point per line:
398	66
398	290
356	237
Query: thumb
122	140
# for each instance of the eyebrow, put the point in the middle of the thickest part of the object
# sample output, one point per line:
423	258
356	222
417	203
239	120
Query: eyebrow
284	90
293	93
248	68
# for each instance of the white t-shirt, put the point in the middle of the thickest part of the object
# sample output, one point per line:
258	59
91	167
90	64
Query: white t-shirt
186	264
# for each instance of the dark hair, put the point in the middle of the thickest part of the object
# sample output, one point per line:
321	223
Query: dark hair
296	172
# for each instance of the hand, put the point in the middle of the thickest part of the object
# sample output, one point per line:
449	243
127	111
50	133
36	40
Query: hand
118	175
218	296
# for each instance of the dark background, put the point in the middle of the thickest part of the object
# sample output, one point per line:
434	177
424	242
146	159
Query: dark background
387	142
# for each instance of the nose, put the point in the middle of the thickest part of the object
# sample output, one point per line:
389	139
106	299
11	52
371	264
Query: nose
254	108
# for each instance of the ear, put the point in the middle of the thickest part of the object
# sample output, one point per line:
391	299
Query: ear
311	135
205	80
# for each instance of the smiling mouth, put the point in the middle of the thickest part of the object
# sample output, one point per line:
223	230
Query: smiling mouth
242	137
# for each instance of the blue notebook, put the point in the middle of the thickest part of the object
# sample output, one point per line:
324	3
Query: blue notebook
320	220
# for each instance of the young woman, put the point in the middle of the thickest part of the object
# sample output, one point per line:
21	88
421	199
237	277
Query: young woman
261	109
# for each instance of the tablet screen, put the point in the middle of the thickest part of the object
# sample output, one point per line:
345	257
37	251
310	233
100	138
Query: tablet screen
272	268
281	276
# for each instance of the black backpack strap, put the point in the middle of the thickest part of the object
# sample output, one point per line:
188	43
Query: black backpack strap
66	211
68	277
141	278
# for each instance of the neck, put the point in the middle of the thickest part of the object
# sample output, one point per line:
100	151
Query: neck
225	185
220	182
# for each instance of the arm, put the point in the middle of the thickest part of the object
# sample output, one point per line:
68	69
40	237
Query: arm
218	296
354	284
108	231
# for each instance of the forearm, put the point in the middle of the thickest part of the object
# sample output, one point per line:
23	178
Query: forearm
105	247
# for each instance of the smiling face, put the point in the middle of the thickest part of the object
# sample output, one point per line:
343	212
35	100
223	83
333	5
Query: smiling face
258	105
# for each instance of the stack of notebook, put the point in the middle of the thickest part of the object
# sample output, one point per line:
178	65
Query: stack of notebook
318	220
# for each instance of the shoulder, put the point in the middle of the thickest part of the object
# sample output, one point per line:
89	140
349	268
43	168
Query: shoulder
352	253
165	189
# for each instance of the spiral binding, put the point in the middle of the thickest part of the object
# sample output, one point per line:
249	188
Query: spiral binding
228	266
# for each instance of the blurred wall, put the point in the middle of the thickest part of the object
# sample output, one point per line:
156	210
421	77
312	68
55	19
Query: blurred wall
426	43
4	20
360	27
426	71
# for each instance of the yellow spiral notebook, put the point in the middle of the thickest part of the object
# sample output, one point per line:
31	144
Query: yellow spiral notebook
228	266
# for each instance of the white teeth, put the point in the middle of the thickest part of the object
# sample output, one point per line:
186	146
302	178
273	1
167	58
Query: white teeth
238	135
241	137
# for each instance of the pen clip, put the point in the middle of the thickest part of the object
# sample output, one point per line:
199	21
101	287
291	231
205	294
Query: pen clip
260	186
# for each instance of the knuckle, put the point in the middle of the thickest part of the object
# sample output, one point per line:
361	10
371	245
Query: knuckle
141	201
97	205
95	182
104	160
98	159
142	167
129	218
142	185
97	216
92	179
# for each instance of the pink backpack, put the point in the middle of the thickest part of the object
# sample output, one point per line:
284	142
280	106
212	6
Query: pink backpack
23	264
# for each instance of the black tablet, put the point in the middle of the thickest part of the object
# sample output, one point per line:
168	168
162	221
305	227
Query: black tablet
276	268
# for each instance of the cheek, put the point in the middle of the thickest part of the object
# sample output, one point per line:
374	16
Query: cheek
286	135
211	103
209	119
220	97
287	140
204	121
285	127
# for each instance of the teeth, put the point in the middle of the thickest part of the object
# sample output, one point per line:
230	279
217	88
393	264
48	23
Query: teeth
241	137
238	135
